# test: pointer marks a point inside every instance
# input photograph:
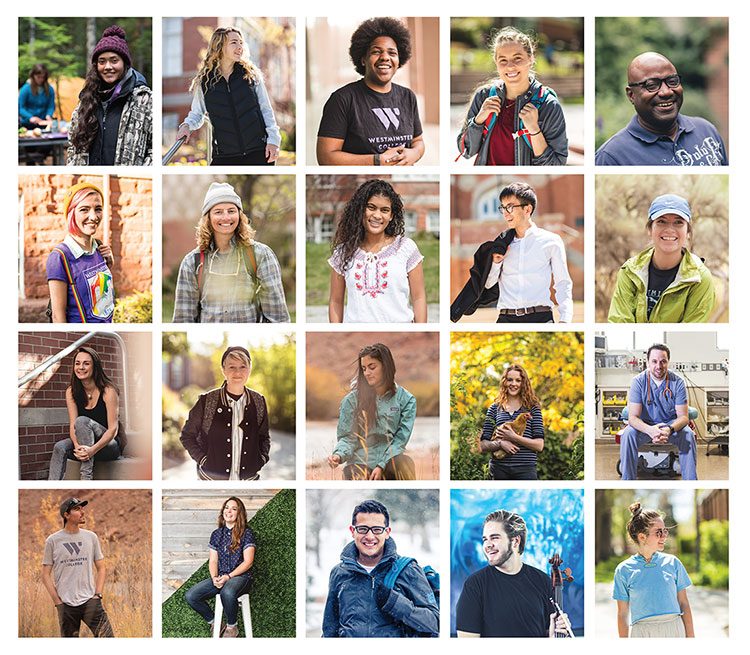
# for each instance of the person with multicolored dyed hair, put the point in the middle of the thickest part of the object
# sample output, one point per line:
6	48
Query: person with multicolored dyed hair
79	272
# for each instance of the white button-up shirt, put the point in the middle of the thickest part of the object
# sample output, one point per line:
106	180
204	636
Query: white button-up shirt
526	272
238	413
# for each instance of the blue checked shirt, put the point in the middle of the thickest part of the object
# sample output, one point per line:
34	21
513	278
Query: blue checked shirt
228	290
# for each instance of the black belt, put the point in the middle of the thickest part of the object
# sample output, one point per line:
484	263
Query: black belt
523	311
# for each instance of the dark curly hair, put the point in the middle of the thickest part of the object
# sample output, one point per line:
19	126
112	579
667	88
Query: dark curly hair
350	231
370	30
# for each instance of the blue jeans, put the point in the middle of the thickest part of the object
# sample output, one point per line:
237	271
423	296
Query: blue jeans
233	588
88	432
631	439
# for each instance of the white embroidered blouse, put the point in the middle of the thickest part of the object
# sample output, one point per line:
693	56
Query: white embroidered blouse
377	284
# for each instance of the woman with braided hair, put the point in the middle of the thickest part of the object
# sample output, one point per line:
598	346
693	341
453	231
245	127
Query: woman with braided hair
372	261
651	586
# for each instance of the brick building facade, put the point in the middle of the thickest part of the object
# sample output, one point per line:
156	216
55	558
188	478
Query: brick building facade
42	413
42	226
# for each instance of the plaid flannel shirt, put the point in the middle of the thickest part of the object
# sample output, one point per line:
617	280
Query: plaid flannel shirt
236	305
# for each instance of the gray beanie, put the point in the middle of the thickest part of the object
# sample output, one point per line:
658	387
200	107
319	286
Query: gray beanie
220	192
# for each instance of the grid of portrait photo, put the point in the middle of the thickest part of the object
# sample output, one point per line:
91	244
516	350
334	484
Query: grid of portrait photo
267	388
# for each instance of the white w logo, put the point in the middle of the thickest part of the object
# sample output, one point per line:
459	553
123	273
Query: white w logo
388	116
73	548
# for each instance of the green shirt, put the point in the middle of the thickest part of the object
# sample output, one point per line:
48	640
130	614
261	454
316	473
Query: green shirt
385	439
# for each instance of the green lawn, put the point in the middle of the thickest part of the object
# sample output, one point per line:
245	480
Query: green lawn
319	272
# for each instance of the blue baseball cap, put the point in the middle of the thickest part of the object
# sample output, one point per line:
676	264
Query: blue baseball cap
669	204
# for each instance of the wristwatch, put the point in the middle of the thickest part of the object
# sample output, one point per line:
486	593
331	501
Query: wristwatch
99	596
376	159
671	429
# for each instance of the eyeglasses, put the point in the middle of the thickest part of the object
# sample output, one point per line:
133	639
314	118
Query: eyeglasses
653	84
661	533
364	529
508	209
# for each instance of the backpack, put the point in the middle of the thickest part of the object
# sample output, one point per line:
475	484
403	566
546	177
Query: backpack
248	256
433	577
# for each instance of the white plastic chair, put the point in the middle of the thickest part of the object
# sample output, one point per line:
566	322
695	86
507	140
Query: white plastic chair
247	620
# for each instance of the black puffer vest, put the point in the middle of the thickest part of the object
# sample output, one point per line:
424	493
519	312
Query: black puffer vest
234	111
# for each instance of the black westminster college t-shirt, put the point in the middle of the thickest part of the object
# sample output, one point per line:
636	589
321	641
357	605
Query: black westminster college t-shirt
370	122
495	604
658	281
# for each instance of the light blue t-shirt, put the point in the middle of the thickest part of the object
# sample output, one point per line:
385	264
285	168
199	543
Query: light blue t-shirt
658	403
650	588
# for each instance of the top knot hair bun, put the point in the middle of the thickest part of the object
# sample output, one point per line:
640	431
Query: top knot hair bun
635	509
115	30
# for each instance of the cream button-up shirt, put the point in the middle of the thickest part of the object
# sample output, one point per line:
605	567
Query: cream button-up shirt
527	271
238	413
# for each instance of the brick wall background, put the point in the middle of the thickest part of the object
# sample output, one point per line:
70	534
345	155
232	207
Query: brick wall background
130	232
42	413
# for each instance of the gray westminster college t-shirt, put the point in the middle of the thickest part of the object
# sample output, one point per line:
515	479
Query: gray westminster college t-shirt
72	558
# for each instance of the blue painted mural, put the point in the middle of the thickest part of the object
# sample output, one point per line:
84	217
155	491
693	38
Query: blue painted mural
554	521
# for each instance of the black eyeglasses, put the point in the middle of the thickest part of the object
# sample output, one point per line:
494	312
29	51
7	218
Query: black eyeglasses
508	209
364	529
653	84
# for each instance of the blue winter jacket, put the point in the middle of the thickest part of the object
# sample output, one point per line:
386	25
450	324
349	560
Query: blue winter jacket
351	609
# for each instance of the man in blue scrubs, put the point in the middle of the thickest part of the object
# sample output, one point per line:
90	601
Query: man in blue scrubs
657	413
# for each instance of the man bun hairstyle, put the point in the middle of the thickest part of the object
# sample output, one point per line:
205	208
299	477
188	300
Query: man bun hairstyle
371	507
370	30
513	524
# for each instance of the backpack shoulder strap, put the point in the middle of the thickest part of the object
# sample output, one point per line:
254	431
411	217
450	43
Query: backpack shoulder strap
79	304
198	258
248	255
399	565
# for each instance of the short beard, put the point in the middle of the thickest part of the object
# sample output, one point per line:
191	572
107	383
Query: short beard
505	557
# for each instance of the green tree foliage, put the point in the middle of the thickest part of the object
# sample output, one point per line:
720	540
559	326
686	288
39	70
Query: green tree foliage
135	308
272	597
684	41
554	362
622	203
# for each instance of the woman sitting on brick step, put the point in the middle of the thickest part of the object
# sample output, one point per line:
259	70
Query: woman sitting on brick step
79	272
229	277
230	90
375	422
231	550
93	406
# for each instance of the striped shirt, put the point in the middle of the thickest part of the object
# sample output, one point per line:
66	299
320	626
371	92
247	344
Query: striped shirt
534	430
227	290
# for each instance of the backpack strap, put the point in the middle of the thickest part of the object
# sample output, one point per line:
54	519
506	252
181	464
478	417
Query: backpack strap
248	254
198	263
399	565
79	304
537	99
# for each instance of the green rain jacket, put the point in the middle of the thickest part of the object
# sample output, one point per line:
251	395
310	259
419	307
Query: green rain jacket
386	439
689	299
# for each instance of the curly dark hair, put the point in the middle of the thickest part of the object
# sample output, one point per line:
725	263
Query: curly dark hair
350	231
370	30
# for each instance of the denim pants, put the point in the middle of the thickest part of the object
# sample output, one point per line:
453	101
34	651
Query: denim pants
233	588
631	439
91	613
88	432
501	471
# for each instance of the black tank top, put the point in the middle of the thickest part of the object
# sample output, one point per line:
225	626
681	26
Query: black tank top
97	413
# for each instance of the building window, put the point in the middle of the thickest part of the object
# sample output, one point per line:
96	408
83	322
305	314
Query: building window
433	221
410	221
487	206
172	47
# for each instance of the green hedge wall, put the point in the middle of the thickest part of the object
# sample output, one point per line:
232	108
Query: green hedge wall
272	597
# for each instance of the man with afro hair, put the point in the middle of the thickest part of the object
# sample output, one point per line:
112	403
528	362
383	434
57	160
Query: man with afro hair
373	121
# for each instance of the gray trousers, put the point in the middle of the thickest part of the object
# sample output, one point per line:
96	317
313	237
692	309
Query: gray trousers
88	432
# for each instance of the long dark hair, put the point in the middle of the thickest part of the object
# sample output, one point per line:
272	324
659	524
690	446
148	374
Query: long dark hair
44	86
367	405
238	531
101	379
350	232
88	102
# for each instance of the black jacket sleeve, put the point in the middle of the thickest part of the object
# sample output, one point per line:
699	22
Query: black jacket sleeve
191	436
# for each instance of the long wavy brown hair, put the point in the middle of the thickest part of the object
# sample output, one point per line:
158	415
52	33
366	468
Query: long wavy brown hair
238	531
44	86
101	379
367	403
204	233
209	69
528	397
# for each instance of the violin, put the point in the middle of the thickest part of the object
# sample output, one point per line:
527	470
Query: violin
558	578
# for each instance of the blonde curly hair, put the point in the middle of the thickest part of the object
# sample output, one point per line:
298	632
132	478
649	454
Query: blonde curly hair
204	233
210	69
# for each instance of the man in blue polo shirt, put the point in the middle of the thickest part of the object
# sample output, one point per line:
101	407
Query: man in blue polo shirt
658	135
657	413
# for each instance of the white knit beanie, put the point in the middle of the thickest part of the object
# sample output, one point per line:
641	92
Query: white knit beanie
220	192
